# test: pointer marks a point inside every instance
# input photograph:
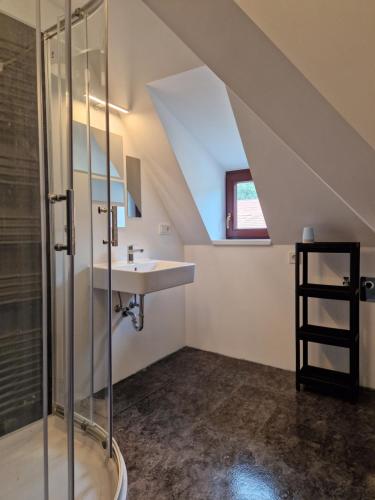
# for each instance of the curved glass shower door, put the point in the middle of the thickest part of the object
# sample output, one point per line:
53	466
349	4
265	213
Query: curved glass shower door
55	327
81	229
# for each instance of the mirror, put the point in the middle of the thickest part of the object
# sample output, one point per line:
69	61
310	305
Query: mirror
98	165
133	182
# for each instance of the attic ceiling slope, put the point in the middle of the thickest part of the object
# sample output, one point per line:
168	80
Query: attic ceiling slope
331	42
199	100
292	195
148	136
231	45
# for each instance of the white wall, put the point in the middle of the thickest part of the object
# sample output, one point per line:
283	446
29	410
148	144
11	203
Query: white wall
23	10
239	303
164	330
242	305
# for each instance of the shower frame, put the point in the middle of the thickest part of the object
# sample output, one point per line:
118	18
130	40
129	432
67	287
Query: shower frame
49	245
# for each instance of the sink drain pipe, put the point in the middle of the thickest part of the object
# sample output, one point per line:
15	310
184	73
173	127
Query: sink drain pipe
137	319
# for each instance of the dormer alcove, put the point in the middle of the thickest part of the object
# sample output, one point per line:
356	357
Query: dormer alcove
197	116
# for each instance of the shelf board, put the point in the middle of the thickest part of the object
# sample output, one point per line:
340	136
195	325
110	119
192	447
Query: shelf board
312	375
325	335
327	291
328	247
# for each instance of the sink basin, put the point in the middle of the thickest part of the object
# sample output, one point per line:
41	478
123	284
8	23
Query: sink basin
144	276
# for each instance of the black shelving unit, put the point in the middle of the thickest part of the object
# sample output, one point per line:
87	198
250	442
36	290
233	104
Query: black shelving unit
346	384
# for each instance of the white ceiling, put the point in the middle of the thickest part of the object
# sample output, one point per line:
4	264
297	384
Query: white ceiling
332	43
253	67
199	101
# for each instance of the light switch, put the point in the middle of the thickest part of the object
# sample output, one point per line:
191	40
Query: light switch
292	257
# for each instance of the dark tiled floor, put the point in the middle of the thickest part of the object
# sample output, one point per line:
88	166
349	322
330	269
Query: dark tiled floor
199	426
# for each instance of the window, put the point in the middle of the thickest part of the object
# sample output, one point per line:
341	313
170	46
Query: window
244	217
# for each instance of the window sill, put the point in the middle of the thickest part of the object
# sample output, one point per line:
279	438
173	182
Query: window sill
246	243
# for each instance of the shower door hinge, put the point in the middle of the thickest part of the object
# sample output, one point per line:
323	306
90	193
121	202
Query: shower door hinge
54	198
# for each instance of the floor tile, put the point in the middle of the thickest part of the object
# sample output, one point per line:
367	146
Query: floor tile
200	426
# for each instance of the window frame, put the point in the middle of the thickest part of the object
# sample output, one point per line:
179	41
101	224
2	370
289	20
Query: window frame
232	177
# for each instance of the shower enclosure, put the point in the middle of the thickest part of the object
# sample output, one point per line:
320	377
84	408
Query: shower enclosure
56	436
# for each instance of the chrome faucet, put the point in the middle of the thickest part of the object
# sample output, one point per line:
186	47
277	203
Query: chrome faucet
131	252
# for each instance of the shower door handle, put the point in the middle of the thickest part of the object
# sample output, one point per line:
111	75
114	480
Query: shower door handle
68	197
70	226
114	226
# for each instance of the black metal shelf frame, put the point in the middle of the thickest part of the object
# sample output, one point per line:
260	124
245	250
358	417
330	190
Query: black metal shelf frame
306	374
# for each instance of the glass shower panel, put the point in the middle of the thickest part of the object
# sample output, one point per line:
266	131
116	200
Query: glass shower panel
99	148
52	377
90	166
83	223
21	321
56	118
56	121
90	146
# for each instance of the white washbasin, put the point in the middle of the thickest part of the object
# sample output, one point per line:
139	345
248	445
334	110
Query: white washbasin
144	276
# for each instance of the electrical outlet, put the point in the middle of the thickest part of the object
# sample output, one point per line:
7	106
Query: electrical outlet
164	229
292	257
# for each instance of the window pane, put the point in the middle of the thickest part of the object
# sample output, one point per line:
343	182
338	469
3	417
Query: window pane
249	211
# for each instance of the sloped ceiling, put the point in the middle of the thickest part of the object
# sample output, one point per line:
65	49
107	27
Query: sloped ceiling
197	116
199	100
292	196
227	40
332	43
204	176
